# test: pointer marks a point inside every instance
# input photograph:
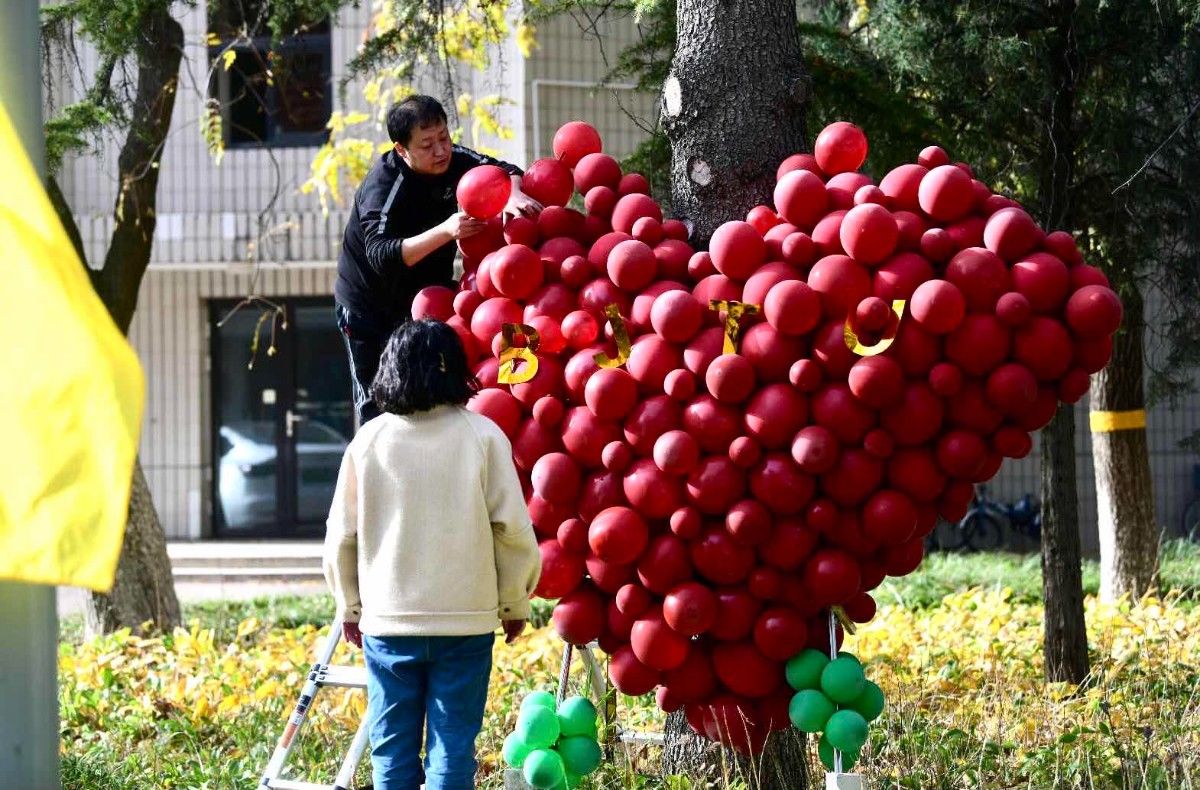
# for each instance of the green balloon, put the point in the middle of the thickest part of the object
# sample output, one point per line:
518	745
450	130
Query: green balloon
844	654
577	716
804	670
869	704
515	750
842	680
540	699
825	752
544	769
573	780
809	710
580	755
847	730
538	727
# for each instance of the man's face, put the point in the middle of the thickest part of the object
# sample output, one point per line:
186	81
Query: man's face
428	151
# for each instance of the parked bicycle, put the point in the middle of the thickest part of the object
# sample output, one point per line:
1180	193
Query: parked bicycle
983	526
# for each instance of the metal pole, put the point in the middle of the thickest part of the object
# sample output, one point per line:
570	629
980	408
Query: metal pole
28	621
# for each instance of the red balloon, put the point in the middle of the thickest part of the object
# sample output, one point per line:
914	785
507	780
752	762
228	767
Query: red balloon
769	352
1093	312
651	491
945	379
632	600
532	442
945	193
765	584
629	675
676	316
745	671
1013	309
649	420
792	308
673	256
805	375
856	474
610	393
730	378
917	417
484	190
1012	388
693	680
889	517
1044	346
562	228
961	453
491	315
860	608
748	522
902	184
632	207
835	407
616	457
841	146
548	181
435	302
755	289
904	559
618	534
780	633
561	570
980	275
1042	279
601	490
900	276
556	478
815	449
713	425
841	282
876	381
799	249
933	156
789	544
1092	355
831	576
686	522
736	612
648	230
676	452
1012	442
585	435
774	414
633	182
719	558
655	644
1011	233
575	140
979	344
972	410
915	472
938	306
801	199
499	406
580	329
596	170
737	250
937	244
600	201
579	616
798	162
781	485
650	360
690	608
869	233
631	265
745	452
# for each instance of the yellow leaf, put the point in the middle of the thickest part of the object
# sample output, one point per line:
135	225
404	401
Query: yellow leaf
227	58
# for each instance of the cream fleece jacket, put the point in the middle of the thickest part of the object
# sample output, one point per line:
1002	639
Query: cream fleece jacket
428	533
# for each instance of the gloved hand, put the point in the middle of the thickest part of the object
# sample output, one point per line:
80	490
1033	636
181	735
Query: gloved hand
352	634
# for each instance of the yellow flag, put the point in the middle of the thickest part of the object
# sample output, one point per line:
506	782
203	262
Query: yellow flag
71	394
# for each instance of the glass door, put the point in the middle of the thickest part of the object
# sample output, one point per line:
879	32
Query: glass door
280	424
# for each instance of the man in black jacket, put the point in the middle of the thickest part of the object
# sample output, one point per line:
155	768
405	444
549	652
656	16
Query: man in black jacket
402	232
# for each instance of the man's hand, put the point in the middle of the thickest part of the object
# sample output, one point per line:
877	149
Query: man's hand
461	225
352	634
519	203
512	629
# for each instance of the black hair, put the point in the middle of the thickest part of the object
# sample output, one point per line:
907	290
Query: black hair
423	366
415	112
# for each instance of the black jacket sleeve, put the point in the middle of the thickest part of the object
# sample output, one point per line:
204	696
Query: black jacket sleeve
474	159
375	200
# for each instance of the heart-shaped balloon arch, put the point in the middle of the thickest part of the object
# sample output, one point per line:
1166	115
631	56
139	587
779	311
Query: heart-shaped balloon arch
719	446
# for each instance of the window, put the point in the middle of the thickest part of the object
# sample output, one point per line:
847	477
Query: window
276	95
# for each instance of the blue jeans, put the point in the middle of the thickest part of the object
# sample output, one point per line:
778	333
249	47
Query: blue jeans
431	685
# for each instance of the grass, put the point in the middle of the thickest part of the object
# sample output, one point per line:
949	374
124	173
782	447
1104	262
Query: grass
956	648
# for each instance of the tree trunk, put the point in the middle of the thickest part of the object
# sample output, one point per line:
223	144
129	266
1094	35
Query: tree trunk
1065	639
733	106
144	589
1129	532
782	765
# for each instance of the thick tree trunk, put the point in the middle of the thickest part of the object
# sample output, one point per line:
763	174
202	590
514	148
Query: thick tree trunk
1065	639
733	109
1129	532
733	106
144	589
781	766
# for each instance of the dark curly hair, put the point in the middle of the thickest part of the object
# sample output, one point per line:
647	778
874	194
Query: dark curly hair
423	366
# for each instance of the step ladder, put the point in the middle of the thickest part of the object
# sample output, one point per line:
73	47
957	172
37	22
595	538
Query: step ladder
322	675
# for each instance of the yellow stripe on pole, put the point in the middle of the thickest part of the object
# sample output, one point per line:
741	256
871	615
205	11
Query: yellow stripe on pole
1109	421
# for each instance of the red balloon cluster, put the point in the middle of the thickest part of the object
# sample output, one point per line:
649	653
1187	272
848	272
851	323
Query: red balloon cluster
698	508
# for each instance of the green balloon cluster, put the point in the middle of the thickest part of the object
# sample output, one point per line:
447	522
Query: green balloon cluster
554	747
833	698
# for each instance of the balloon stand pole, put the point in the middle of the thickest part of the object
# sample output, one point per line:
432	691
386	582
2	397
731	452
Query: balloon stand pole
835	779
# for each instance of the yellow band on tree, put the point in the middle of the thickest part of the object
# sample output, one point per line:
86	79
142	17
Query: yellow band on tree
1108	421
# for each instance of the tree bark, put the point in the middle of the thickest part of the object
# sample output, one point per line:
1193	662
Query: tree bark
1065	638
1129	532
144	589
733	106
